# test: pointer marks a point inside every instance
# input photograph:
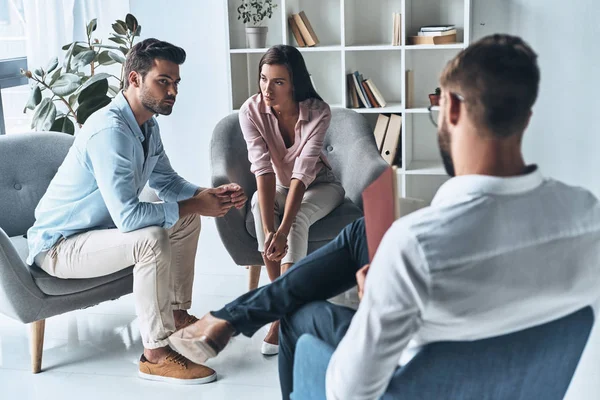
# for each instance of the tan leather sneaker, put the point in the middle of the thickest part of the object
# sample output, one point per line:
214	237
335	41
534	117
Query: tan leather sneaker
177	369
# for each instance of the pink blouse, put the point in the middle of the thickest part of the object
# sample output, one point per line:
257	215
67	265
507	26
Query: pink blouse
266	149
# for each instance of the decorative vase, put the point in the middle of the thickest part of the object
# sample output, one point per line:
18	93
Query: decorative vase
434	99
256	36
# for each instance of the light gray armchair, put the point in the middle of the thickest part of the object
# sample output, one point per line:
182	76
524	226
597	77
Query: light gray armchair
27	164
349	146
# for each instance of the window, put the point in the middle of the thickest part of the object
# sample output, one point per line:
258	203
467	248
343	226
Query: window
14	89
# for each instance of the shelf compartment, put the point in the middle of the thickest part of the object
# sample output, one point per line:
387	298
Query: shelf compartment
237	30
324	17
367	23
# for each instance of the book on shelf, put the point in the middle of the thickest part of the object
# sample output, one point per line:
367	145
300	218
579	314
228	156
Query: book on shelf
296	32
380	129
364	92
436	28
376	93
409	88
307	32
437	33
392	139
358	88
351	90
382	205
370	94
397	30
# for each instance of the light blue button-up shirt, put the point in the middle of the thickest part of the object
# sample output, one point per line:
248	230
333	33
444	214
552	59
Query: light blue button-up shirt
98	184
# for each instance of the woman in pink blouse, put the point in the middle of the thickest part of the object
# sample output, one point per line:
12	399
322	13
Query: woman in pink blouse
284	125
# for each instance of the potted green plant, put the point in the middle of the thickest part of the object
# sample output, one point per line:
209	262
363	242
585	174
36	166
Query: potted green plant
434	98
76	86
254	12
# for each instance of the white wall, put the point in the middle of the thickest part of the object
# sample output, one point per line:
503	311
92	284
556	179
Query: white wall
564	134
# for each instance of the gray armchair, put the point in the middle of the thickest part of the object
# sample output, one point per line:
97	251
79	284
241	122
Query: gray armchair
27	164
352	152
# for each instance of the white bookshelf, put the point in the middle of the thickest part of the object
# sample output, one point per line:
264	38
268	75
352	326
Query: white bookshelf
357	35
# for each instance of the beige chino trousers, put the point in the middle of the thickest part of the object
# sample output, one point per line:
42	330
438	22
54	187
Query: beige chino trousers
163	272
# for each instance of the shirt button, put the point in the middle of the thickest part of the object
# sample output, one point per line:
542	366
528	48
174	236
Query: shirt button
330	148
18	186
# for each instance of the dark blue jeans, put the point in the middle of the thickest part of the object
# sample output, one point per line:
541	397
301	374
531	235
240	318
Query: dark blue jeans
323	274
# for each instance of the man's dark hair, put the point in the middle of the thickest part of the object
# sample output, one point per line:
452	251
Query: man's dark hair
499	78
141	57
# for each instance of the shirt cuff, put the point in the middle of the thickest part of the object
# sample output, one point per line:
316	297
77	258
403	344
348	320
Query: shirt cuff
171	214
187	191
307	180
264	171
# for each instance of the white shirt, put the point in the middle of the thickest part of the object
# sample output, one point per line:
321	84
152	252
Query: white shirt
490	256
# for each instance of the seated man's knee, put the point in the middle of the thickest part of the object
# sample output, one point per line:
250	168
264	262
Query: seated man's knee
354	229
154	240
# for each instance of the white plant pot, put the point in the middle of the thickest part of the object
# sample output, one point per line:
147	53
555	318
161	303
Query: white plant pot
256	36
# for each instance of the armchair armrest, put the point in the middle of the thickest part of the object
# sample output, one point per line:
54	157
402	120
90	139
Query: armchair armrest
20	298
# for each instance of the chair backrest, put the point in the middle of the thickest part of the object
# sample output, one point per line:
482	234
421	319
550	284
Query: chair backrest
349	145
28	162
535	363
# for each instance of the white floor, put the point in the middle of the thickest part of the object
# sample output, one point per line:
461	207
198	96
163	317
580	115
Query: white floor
93	353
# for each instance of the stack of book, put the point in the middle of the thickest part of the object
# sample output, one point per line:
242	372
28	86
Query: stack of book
362	93
397	32
435	34
387	136
302	30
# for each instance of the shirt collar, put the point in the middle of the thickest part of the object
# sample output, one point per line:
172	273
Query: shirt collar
484	184
304	112
120	102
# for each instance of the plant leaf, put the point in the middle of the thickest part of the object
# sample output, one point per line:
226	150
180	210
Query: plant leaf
105	46
53	77
116	56
122	23
104	59
117	40
66	46
96	78
119	29
82	59
73	99
66	84
113	90
44	115
96	89
131	22
92	27
124	50
89	106
35	97
138	31
52	64
39	72
63	124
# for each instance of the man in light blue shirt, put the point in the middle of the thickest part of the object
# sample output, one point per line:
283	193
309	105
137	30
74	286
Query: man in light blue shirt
91	222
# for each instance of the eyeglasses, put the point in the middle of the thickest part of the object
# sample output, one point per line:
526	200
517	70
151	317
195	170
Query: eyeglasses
434	110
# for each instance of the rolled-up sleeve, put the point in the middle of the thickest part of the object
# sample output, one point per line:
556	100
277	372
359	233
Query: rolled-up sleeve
110	155
169	186
305	166
258	152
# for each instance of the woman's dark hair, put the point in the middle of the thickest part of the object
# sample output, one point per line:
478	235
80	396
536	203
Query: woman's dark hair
141	57
292	59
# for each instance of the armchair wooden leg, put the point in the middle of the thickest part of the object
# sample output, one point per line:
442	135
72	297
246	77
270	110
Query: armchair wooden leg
253	276
37	344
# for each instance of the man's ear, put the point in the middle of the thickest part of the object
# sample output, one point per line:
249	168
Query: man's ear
454	110
134	79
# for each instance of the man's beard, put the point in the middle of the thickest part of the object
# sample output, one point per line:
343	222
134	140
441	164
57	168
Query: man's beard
155	105
444	144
